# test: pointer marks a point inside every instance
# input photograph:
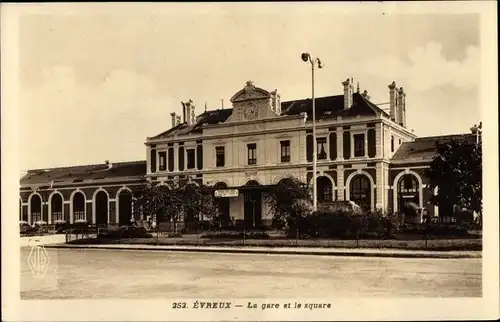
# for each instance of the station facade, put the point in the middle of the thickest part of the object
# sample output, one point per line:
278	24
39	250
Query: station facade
365	154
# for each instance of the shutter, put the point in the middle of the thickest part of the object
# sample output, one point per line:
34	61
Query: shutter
181	158
372	149
153	160
347	145
333	146
309	148
199	156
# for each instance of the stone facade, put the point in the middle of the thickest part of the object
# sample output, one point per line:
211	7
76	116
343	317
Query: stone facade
356	145
364	154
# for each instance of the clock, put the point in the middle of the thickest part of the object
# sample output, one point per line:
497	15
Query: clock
251	112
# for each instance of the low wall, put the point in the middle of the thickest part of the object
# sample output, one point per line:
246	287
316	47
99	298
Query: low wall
43	240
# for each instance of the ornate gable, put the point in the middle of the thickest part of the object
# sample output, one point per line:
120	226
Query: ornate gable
250	92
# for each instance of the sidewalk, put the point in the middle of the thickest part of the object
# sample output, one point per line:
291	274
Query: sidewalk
359	252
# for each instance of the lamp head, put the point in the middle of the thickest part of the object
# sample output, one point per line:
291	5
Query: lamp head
305	57
320	64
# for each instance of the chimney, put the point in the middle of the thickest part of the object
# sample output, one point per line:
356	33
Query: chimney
401	108
177	120
183	112
174	119
392	101
193	115
348	91
188	115
276	101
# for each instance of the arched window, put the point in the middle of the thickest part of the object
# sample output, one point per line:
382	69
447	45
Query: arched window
360	191
325	189
36	208
56	207
79	206
408	184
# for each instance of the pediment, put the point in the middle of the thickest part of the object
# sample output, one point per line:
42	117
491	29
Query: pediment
250	92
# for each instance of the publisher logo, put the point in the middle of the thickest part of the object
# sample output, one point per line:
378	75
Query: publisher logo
38	260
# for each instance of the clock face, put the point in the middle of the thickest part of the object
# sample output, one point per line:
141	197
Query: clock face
251	111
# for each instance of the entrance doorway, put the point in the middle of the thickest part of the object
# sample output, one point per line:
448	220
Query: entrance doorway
252	205
124	207
408	195
360	191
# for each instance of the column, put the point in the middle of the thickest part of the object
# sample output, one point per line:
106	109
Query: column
340	144
379	140
340	182
176	157
380	184
148	160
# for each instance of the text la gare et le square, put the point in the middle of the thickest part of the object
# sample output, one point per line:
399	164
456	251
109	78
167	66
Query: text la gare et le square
251	305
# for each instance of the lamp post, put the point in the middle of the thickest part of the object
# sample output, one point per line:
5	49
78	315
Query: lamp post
477	130
306	57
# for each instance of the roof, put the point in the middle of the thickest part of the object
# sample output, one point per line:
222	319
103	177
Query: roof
208	117
329	107
424	148
85	172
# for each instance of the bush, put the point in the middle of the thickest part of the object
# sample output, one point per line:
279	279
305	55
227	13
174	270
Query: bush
124	232
235	235
61	227
78	228
344	223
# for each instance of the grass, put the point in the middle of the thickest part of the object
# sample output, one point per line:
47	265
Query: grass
449	244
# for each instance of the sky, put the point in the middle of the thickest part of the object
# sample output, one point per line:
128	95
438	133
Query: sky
94	86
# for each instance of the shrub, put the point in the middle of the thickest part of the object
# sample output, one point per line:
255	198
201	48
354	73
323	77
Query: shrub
61	226
235	235
124	232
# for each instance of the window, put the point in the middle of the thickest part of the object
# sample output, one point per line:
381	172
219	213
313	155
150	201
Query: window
220	156
399	141
190	158
163	160
171	159
392	143
153	160
324	192
408	184
321	148
285	151
252	153
359	145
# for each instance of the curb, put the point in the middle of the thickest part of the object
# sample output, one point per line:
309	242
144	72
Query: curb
416	254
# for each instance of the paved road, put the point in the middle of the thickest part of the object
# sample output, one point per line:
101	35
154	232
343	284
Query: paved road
85	273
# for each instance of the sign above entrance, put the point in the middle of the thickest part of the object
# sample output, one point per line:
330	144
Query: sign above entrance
227	193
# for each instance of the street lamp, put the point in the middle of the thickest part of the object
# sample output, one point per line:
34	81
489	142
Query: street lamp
306	57
477	130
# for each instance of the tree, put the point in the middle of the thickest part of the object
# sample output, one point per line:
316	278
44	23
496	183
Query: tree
180	200
289	202
457	172
152	200
198	201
